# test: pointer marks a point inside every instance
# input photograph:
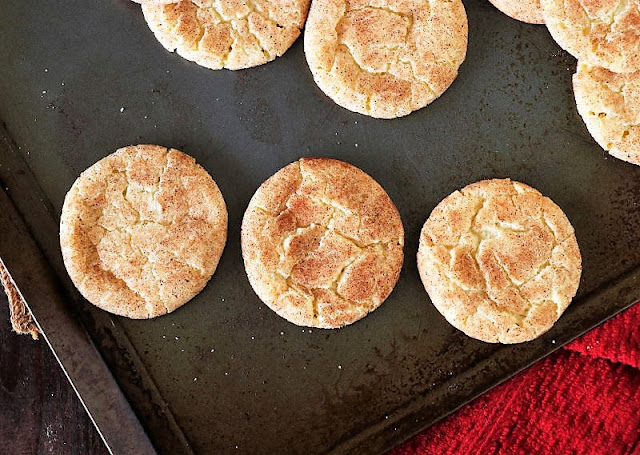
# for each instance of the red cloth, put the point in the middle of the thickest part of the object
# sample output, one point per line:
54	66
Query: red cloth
583	399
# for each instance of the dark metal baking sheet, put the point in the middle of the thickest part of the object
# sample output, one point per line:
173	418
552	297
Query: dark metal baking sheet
224	374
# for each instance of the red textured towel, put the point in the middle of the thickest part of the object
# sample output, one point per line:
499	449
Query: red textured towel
583	399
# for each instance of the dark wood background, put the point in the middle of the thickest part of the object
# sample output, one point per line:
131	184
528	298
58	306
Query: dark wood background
39	411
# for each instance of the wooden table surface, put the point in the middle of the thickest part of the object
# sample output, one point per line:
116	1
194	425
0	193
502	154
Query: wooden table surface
39	411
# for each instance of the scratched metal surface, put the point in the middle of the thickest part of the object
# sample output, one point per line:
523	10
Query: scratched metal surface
224	374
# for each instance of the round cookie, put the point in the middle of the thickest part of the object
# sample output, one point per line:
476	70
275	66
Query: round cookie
529	11
385	58
499	261
142	231
229	34
609	104
322	243
602	33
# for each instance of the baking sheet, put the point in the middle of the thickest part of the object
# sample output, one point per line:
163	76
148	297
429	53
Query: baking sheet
224	374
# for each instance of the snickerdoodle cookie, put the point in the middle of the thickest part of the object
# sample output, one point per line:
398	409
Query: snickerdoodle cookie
385	58
229	34
499	261
322	243
142	231
602	33
609	103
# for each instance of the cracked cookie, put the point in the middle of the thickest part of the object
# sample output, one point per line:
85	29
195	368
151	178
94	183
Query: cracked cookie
499	261
609	104
232	34
602	33
322	243
385	58
529	11
142	231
